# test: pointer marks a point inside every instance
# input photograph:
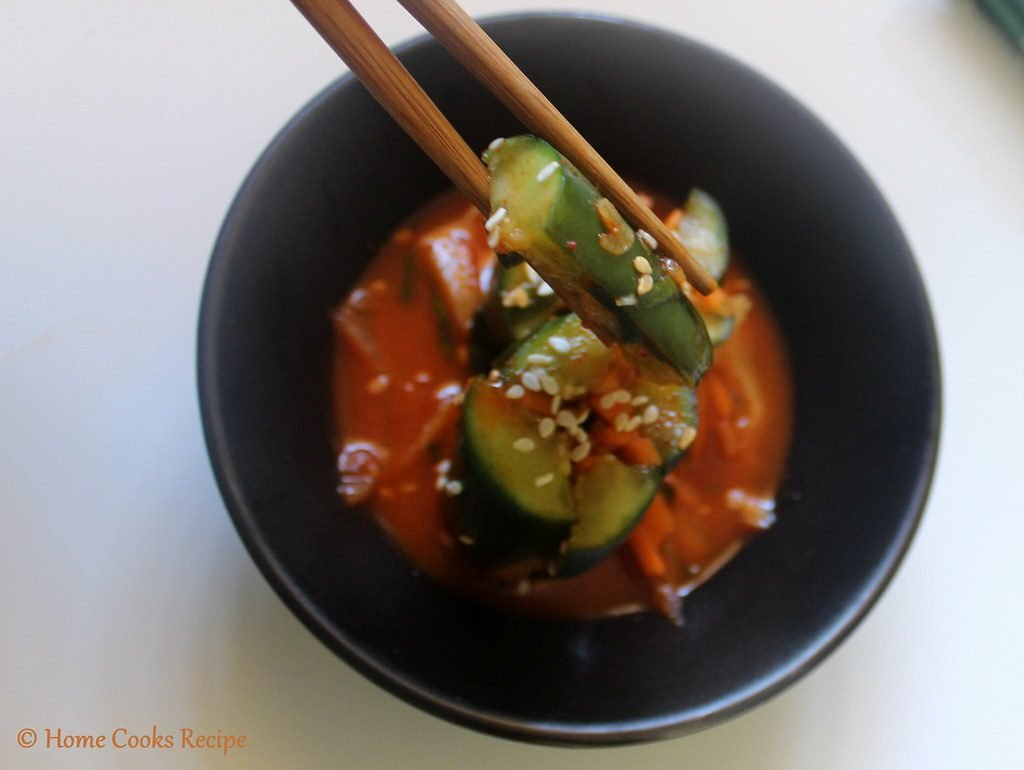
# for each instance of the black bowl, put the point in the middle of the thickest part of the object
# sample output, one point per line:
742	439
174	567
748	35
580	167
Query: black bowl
813	230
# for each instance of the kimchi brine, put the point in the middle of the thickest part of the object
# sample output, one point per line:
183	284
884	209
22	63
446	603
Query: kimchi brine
515	456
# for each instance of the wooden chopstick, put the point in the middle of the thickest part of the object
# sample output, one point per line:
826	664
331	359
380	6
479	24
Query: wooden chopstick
392	85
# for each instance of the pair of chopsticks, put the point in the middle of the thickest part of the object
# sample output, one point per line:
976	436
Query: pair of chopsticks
391	84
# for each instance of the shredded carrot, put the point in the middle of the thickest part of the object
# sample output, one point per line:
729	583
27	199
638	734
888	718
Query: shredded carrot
686	493
710	303
728	438
673	218
719	394
609	381
649	536
640	451
609	413
443	419
645	549
538	403
658	519
606	437
357	337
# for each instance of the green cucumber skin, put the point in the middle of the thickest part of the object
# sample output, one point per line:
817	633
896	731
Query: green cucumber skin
559	216
501	516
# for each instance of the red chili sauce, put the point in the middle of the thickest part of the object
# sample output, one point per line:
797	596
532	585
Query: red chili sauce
402	357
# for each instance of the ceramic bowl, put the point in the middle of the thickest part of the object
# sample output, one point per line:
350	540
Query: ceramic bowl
813	230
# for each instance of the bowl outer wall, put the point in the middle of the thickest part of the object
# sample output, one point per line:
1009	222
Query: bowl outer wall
809	224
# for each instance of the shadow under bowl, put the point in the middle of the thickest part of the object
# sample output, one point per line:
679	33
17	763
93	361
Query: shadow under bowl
807	222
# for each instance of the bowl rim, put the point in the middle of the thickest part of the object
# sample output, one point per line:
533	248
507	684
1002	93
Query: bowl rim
451	709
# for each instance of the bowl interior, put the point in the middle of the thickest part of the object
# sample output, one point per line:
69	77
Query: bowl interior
804	218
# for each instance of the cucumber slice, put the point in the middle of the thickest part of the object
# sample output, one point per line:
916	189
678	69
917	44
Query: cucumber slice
610	498
504	515
564	350
559	222
534	497
675	427
719	327
704	232
518	303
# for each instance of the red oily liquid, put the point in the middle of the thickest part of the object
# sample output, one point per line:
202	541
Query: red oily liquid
401	362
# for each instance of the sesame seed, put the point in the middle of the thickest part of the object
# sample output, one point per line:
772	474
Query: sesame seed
566	419
644	285
639	401
494	375
580	452
547	171
549	384
634	423
559	344
495	219
556	404
546	427
493	238
575	390
516	297
648	239
541	481
650	414
514	392
609	399
466	539
523	444
621	420
539	358
531	381
623	396
544	290
444	466
453	488
582	416
641	265
626	300
496	143
687	437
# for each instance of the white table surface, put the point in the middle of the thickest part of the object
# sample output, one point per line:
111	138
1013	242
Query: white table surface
127	599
